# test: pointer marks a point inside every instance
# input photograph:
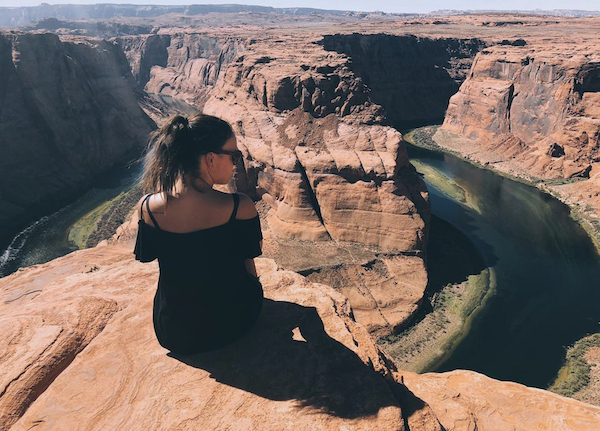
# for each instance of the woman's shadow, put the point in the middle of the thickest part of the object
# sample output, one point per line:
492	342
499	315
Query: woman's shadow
311	367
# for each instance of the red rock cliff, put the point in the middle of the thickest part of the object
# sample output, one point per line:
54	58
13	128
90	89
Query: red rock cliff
536	108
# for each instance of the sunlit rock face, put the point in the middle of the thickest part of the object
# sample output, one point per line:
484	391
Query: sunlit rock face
183	65
314	143
536	107
315	148
71	112
80	353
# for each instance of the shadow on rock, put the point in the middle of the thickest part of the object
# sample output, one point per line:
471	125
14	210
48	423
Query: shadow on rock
288	355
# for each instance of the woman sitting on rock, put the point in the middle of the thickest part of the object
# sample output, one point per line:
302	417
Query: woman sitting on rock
205	240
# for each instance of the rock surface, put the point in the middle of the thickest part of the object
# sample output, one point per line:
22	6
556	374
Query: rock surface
85	357
306	364
535	107
455	396
74	113
411	77
183	65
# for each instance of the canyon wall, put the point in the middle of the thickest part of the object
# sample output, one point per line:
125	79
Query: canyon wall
411	77
315	149
183	65
318	151
532	108
312	141
70	112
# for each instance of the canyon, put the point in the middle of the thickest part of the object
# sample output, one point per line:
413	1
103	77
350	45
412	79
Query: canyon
60	130
316	114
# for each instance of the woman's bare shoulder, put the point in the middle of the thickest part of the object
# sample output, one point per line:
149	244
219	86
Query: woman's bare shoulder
156	202
246	210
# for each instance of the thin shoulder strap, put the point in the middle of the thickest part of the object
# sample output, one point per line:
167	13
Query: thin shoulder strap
150	213
142	205
236	203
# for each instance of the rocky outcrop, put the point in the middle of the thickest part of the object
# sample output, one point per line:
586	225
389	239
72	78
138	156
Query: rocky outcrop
306	364
80	360
533	108
466	401
183	65
411	77
143	52
312	143
314	149
73	114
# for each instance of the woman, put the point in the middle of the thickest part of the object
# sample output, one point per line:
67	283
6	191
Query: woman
205	240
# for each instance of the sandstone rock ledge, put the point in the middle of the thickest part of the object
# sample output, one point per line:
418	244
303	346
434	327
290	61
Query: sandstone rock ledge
82	355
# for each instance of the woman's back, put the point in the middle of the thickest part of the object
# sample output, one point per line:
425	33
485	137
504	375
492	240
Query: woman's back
192	211
205	294
205	240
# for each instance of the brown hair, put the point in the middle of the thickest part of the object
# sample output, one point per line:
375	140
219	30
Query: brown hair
174	149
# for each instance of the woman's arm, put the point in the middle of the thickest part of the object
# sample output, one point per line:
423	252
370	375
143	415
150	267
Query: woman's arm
250	267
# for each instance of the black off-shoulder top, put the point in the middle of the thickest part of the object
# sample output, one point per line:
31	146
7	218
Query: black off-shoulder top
205	296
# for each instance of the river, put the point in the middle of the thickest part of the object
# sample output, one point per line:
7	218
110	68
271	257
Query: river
547	271
48	238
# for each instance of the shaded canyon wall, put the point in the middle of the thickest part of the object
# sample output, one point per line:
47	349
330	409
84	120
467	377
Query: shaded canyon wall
69	112
411	77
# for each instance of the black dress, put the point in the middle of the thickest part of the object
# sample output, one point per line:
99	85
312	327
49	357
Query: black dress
206	298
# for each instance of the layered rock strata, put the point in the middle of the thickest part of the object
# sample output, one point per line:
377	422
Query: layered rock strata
315	150
80	360
314	145
183	65
536	109
70	112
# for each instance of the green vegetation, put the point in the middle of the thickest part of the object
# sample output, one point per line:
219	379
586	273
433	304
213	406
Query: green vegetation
422	137
575	374
586	219
81	229
424	345
441	181
460	283
102	221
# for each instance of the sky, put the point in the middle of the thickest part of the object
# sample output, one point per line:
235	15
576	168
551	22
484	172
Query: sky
398	6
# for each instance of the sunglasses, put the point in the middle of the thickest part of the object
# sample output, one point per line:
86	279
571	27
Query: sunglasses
236	155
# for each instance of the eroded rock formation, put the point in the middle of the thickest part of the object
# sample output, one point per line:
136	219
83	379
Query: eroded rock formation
314	145
534	108
82	354
312	142
316	149
183	65
70	112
